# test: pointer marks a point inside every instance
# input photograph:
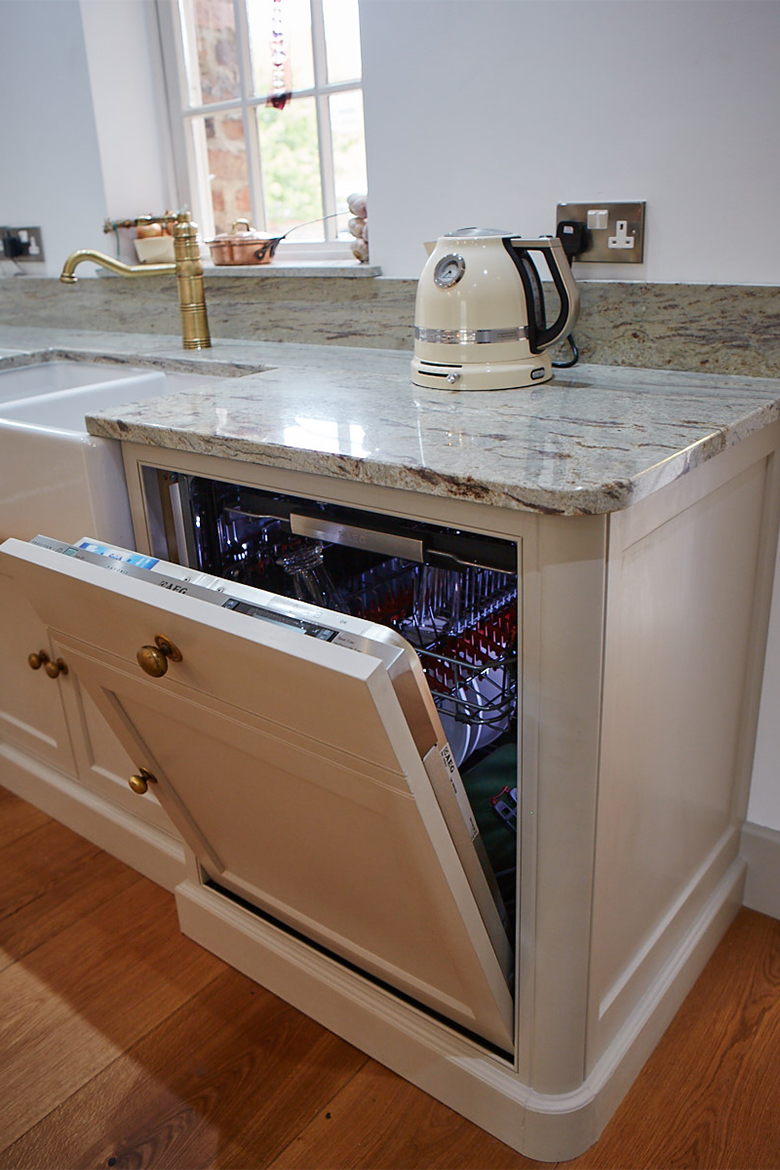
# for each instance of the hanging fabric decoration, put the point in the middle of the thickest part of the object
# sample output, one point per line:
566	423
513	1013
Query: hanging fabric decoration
281	73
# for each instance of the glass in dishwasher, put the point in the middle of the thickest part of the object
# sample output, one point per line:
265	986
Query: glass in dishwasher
310	578
452	595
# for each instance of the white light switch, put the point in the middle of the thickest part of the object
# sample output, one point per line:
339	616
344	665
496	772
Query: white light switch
598	219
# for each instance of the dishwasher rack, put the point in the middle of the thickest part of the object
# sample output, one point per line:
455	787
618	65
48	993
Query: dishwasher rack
469	657
458	613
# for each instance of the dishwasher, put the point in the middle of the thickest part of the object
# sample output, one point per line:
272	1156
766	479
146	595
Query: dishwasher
452	595
341	750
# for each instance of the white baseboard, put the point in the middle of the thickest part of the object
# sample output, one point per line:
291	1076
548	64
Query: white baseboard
760	847
454	1069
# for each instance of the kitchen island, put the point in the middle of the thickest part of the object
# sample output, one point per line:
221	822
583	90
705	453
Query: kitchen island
643	508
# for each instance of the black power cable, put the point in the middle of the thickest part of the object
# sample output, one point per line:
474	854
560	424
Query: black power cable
573	235
575	356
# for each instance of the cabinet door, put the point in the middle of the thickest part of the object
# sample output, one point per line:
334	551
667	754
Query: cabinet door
102	763
289	766
31	712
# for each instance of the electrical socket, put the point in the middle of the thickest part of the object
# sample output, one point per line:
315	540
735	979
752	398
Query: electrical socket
616	231
24	243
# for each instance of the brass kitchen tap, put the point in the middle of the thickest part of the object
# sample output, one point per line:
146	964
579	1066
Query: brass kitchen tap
189	275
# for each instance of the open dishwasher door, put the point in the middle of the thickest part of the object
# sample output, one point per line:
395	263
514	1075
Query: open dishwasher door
299	754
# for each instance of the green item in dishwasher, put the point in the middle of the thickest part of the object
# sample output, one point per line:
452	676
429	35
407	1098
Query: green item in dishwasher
495	772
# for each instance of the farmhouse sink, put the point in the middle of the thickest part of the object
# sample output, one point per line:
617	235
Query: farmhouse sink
56	376
55	479
56	396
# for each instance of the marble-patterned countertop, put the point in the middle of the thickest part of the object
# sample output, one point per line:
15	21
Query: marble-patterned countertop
594	440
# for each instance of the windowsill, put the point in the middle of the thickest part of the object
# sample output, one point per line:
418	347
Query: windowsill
277	268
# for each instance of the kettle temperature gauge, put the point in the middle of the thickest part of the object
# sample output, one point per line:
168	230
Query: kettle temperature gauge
449	270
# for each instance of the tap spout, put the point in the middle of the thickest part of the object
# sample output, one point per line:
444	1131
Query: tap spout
67	276
187	268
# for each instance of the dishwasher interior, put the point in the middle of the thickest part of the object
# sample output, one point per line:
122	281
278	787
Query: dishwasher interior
451	594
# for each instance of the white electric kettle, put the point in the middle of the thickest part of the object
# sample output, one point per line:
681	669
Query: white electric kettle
479	319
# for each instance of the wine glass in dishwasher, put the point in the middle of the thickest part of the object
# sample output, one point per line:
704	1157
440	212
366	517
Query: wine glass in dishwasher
310	578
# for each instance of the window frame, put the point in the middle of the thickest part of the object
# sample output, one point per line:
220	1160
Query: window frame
188	143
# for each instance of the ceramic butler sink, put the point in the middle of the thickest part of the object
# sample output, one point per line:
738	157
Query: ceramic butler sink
56	396
55	479
64	409
18	382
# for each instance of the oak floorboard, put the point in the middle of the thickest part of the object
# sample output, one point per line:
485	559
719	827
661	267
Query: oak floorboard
709	1096
17	817
79	1000
52	878
124	1044
226	1081
381	1122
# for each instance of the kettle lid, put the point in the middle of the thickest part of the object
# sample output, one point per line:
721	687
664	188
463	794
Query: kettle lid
476	233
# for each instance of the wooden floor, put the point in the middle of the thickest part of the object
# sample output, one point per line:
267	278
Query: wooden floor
123	1044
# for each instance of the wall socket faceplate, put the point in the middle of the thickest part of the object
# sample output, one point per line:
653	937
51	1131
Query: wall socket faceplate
22	243
616	231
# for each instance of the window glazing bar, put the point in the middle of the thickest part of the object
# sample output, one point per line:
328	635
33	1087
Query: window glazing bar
251	136
261	99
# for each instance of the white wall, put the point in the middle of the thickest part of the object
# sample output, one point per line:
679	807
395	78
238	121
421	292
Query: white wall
126	88
81	136
491	112
50	174
477	111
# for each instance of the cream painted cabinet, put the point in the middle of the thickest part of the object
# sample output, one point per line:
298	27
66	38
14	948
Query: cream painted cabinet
639	659
57	750
54	719
32	718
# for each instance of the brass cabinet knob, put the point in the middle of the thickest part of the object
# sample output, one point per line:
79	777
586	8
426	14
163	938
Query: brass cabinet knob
154	659
141	781
53	669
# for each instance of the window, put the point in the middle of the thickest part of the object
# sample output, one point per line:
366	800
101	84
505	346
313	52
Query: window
267	114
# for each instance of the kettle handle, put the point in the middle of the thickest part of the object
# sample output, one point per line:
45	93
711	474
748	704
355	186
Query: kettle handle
539	336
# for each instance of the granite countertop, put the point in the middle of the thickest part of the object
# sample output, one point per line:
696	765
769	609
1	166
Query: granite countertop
594	440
